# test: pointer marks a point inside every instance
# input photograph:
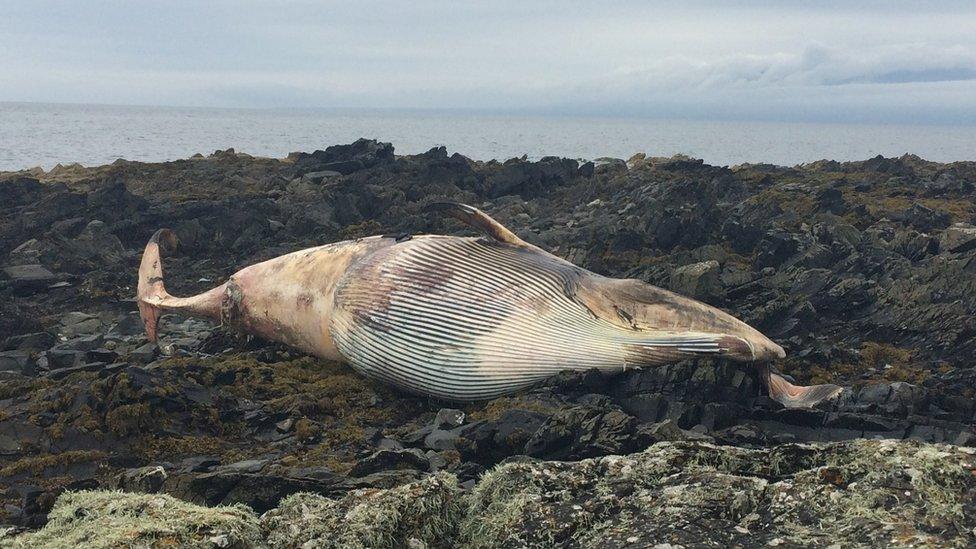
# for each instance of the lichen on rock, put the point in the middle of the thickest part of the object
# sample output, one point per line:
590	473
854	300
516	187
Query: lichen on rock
864	493
861	493
425	513
103	519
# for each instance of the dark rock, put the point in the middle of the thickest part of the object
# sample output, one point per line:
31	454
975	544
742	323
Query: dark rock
959	238
246	466
385	460
145	353
924	218
775	248
582	432
61	358
16	361
29	279
37	341
448	418
147	480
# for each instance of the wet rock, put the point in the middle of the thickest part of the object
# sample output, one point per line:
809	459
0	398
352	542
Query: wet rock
488	442
775	248
82	343
258	491
144	353
830	199
58	359
319	176
61	373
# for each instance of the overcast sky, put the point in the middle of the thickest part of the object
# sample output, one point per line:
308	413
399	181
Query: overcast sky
877	61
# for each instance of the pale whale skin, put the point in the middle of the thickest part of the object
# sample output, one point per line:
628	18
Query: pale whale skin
464	318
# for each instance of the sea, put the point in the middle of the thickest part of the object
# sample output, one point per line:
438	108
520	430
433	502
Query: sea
38	134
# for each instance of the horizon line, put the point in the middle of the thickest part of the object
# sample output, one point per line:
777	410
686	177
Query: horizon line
503	113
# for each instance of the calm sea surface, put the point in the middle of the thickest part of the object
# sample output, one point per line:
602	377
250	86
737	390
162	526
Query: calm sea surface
44	135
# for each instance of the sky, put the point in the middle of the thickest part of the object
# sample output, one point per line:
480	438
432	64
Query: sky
891	61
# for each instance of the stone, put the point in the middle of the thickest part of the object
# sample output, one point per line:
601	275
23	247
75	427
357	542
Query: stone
245	466
697	280
144	353
147	479
63	358
448	418
285	425
385	460
29	279
37	341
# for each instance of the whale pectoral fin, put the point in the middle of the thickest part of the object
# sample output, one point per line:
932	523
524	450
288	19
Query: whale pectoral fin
795	396
478	219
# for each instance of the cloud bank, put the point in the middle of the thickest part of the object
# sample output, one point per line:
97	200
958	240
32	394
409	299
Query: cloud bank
881	62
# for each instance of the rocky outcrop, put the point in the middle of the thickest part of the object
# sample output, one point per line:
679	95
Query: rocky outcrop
690	494
864	271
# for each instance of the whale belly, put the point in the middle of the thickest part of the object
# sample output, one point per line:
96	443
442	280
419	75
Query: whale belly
467	319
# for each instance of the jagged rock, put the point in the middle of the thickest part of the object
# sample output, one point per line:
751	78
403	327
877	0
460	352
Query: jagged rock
875	300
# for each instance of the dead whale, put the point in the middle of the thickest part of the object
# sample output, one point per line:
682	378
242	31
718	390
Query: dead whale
464	318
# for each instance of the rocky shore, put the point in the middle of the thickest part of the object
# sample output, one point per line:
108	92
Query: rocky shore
864	271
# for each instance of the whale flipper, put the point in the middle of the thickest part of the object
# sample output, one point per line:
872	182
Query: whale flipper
796	396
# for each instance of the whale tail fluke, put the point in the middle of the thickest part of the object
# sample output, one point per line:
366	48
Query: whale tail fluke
796	396
151	294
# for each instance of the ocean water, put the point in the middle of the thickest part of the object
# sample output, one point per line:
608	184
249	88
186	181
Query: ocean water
34	134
